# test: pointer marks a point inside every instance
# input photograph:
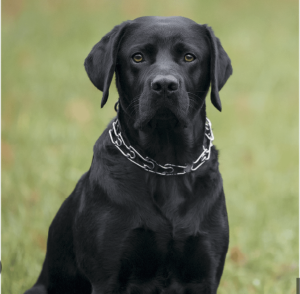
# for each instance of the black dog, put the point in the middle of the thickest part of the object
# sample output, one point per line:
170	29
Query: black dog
150	215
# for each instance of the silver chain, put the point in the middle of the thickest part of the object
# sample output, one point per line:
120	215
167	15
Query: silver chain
152	166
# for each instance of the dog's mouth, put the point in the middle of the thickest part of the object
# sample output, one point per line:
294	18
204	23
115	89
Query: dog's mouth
163	118
164	114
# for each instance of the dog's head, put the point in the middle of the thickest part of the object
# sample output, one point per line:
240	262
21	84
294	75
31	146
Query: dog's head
163	66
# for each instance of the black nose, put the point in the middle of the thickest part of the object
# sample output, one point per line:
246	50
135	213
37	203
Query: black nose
165	84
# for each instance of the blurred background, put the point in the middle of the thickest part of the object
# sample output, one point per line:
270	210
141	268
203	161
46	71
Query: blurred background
51	118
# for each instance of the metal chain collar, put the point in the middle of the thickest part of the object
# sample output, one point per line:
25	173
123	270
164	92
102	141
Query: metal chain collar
152	166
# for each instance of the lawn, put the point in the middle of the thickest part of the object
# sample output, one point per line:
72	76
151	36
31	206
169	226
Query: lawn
51	118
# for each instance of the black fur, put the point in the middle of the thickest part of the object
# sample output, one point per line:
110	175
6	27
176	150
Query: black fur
123	229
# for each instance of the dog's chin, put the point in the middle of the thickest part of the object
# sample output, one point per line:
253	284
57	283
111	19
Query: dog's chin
163	118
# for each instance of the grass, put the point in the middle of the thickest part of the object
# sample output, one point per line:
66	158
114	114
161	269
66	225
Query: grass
51	118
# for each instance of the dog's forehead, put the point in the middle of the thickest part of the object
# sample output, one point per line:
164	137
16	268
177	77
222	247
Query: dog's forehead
160	20
163	28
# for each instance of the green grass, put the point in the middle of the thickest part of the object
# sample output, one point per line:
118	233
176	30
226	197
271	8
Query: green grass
51	119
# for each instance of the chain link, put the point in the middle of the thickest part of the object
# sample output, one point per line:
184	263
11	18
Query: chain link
151	165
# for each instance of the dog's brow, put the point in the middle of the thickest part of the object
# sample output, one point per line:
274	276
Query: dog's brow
181	47
144	47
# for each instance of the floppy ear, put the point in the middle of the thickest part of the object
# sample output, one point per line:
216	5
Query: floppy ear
100	63
220	67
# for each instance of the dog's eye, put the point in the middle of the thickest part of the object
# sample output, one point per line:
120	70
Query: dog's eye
189	57
137	57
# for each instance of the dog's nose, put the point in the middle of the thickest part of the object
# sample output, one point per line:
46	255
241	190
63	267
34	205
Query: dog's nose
166	83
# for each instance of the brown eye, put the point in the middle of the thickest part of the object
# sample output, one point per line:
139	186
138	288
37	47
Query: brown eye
189	57
138	57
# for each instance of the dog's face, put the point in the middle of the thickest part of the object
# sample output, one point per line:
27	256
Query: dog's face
163	65
162	68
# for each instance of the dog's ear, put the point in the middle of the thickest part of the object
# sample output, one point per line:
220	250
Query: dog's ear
101	62
220	67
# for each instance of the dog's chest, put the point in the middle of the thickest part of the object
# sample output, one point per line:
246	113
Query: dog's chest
158	239
176	200
149	256
171	249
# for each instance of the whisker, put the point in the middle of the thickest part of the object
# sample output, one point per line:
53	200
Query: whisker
190	93
194	101
133	103
135	99
133	109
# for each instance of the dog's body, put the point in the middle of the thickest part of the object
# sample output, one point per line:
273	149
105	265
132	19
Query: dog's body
125	229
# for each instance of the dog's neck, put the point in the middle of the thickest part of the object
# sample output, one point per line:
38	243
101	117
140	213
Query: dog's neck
176	145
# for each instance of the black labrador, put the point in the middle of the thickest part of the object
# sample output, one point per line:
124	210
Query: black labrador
150	215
